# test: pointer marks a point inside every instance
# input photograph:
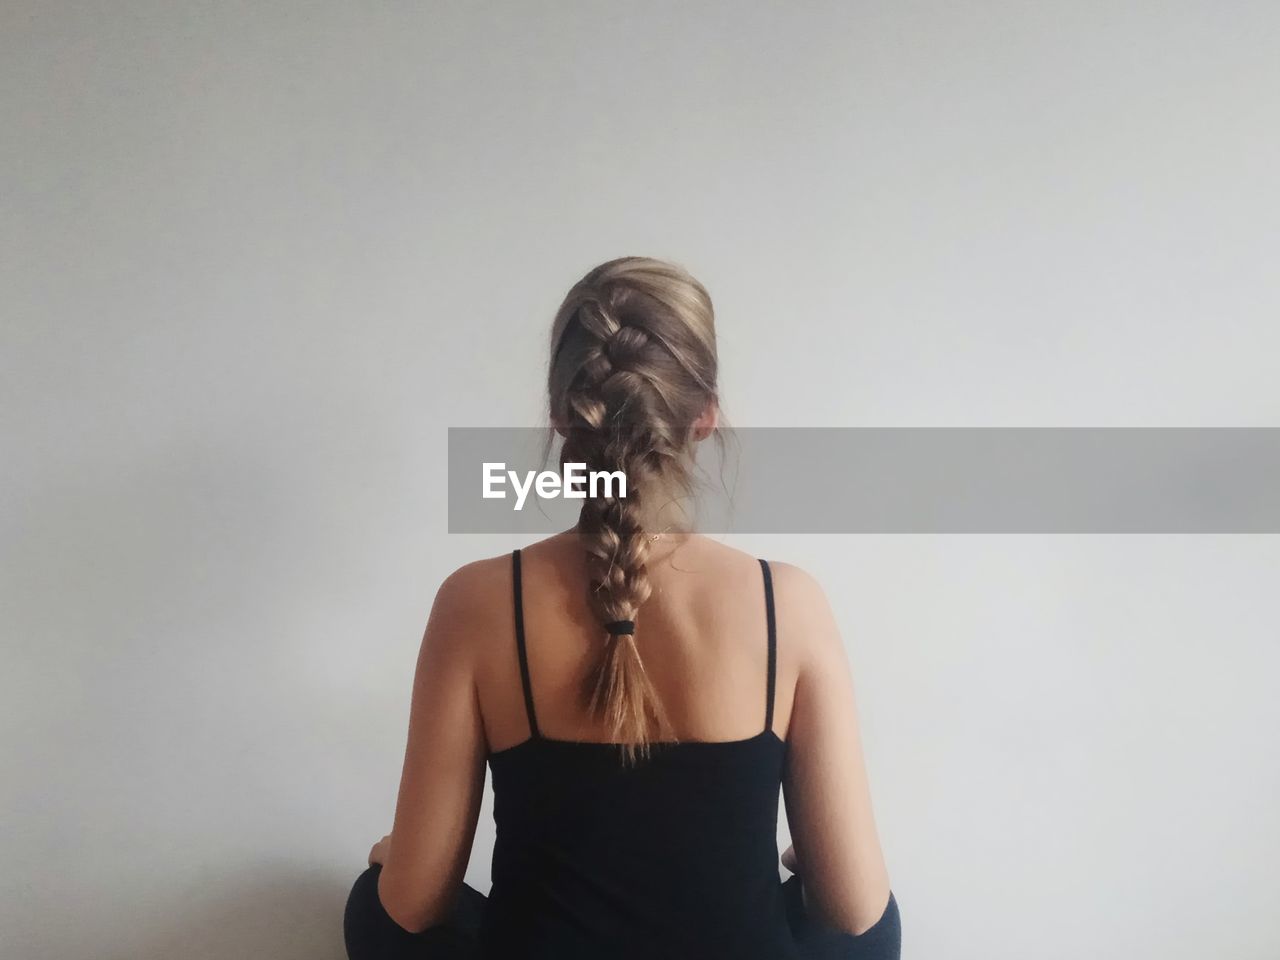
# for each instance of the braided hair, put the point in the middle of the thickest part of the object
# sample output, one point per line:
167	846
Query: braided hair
633	367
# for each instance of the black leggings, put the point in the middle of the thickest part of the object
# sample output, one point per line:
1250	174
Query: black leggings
371	934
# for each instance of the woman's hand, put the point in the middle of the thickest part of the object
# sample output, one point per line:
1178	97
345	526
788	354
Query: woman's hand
380	850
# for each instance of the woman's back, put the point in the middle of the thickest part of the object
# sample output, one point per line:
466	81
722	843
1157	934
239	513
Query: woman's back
674	855
703	636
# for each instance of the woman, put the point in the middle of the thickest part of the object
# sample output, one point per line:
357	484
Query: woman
640	694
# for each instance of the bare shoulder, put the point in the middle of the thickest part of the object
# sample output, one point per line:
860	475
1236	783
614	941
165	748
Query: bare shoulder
705	554
805	616
796	584
476	582
471	605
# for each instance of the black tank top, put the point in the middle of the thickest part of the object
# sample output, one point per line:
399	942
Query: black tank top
673	858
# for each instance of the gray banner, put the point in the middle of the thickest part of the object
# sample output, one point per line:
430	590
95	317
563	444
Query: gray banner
916	480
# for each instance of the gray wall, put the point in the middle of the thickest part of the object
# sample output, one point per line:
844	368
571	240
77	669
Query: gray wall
258	256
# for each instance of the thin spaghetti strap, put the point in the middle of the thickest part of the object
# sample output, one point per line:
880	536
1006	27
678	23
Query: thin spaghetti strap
771	619
518	600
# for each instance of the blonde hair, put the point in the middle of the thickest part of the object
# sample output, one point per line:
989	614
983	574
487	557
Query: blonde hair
633	367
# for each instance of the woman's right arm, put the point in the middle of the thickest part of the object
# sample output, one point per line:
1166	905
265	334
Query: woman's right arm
825	788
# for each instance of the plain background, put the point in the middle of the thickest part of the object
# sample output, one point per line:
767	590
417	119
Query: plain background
257	257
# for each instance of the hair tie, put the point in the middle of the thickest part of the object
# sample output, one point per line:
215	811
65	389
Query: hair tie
621	628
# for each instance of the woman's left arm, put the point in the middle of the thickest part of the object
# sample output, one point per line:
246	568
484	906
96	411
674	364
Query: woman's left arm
425	858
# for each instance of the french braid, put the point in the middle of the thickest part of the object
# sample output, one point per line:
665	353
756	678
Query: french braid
633	367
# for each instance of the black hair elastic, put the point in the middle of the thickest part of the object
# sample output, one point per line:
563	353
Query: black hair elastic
621	628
